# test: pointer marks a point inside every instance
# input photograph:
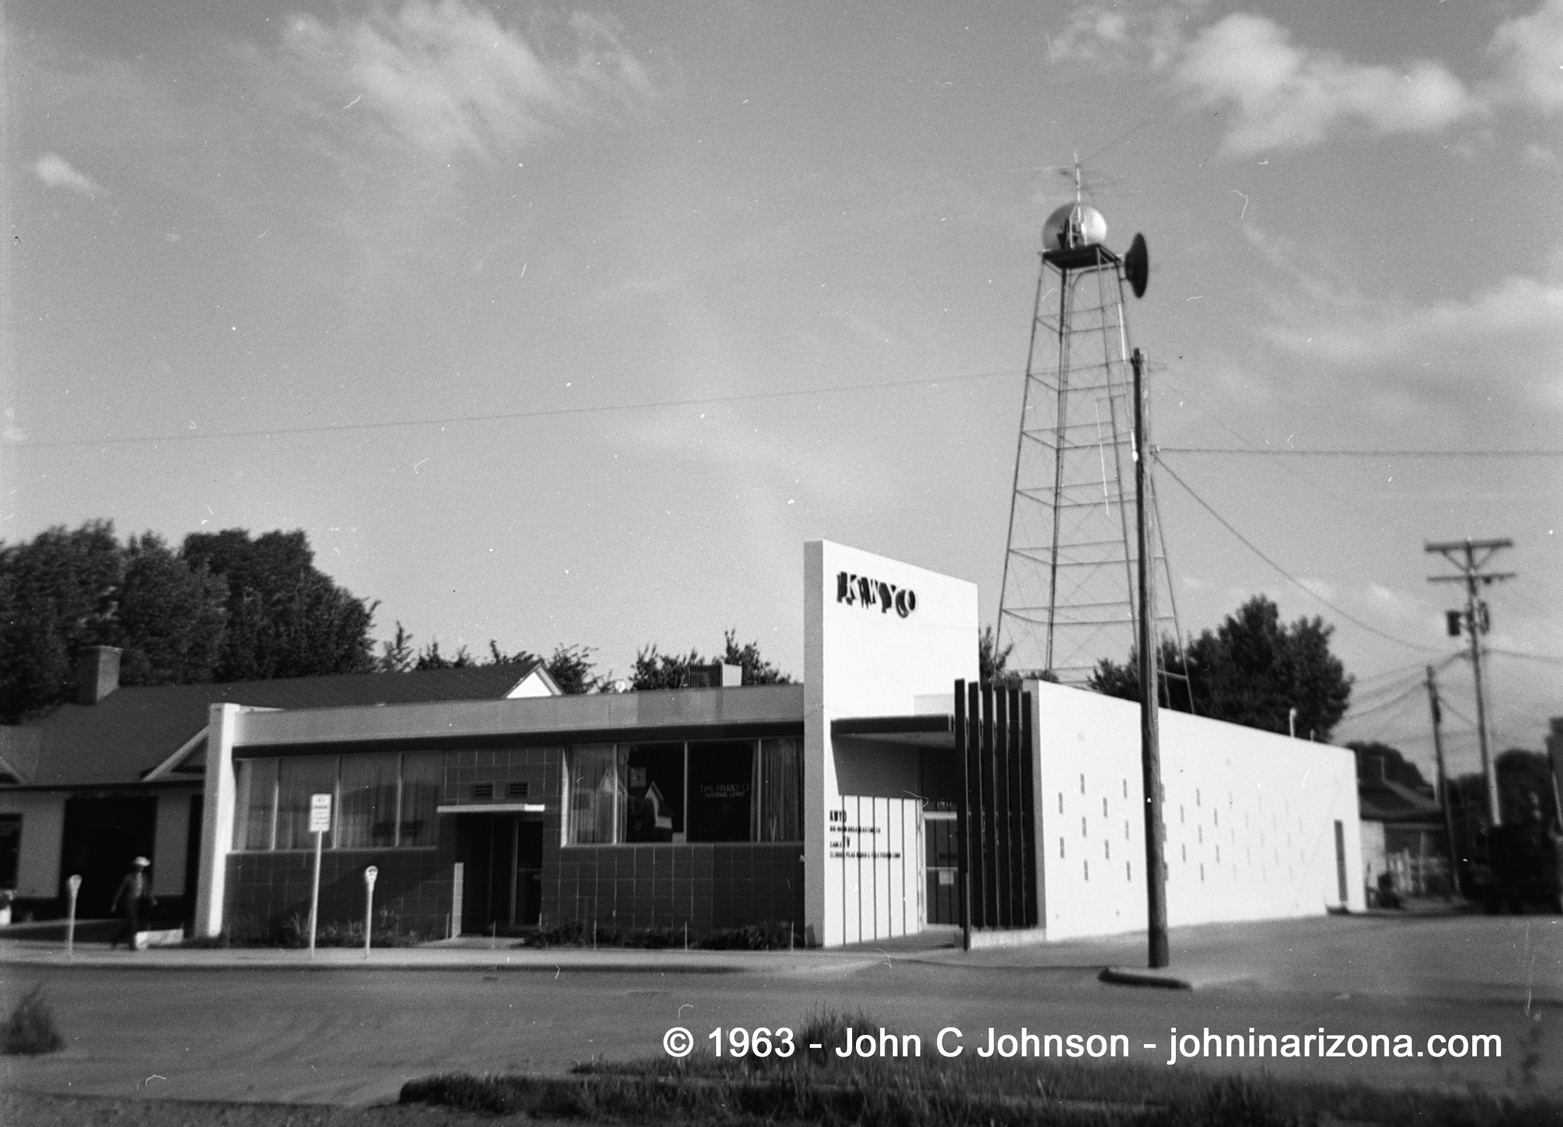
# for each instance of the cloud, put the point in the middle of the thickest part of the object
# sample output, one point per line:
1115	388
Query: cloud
1539	156
1530	54
448	78
1445	328
1110	34
55	171
1285	94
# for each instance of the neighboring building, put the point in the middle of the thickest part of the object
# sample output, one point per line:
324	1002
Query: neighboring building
1555	759
1403	835
119	772
827	804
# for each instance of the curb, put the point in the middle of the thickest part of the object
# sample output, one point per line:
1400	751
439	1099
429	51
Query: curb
1139	976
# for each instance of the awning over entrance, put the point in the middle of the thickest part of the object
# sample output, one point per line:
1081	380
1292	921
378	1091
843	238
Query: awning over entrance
935	731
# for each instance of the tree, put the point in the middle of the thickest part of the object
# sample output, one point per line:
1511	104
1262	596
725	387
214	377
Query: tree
1396	767
430	658
654	669
285	617
397	655
571	667
756	670
57	593
1253	670
992	662
171	617
1525	787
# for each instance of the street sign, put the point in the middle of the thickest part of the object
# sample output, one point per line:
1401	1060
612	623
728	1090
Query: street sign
320	813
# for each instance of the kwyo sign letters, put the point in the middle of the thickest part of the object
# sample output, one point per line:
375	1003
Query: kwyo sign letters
860	590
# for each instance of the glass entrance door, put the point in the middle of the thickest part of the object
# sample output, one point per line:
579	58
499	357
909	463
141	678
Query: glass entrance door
502	862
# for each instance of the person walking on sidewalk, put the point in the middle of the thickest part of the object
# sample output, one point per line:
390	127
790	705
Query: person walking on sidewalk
135	889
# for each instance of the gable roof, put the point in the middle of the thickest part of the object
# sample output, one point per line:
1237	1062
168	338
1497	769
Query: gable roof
133	730
1384	801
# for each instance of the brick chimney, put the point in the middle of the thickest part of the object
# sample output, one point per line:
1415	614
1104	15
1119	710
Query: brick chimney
97	673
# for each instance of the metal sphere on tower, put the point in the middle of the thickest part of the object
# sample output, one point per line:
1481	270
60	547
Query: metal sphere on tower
1074	225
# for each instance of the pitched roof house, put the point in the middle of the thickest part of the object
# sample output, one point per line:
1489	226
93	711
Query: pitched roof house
117	772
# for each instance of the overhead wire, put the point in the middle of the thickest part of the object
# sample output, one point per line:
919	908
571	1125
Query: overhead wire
1288	576
1279	451
550	412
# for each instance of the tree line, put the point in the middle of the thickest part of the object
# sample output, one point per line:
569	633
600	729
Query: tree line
229	606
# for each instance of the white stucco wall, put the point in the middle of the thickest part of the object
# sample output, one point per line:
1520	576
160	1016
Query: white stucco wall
43	824
1250	818
864	879
171	844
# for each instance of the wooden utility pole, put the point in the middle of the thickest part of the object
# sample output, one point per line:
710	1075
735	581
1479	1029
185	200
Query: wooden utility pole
1150	744
1443	780
1471	556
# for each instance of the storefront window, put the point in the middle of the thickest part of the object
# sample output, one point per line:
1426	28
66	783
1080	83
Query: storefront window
368	815
721	790
781	790
596	796
705	791
423	780
654	804
254	804
297	779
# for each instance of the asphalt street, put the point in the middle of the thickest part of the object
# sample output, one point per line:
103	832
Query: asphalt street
272	1026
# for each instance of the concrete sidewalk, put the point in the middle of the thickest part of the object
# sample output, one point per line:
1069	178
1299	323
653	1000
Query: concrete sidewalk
435	957
1442	956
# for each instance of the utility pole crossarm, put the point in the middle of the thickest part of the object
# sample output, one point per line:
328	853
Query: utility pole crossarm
1462	545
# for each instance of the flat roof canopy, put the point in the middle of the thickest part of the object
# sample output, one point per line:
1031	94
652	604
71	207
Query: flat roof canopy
921	731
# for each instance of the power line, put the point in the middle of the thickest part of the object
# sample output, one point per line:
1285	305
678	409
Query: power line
1278	451
1288	575
332	428
1528	657
1404	695
1400	672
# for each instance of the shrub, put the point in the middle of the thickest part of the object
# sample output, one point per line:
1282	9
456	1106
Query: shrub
31	1029
766	936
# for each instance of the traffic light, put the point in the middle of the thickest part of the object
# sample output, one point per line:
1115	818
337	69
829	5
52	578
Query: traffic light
1453	618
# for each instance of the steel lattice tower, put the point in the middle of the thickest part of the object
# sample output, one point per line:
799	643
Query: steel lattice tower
1068	596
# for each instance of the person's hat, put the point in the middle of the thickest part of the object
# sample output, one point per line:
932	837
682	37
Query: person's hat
141	862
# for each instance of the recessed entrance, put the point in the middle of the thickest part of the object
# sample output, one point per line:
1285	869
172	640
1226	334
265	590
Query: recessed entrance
502	863
943	866
100	838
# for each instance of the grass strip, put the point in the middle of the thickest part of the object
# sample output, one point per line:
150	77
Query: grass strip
818	1088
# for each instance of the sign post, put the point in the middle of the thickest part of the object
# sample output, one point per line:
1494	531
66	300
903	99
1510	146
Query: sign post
72	887
369	874
319	825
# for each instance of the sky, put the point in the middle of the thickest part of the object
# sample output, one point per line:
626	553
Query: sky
569	325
